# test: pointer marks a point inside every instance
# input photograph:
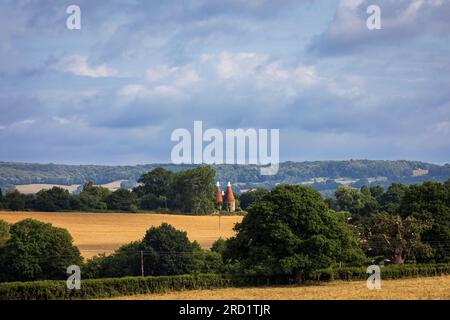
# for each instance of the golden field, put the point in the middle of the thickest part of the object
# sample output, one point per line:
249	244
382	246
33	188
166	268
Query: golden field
36	187
96	233
432	288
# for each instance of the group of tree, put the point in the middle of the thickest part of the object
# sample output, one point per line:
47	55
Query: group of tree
290	230
185	191
32	250
403	223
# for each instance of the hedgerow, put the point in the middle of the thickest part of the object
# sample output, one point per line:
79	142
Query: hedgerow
112	287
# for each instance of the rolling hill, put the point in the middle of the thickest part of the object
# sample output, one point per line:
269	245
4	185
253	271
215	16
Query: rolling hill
322	175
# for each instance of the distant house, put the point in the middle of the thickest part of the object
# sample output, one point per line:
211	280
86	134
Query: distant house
419	172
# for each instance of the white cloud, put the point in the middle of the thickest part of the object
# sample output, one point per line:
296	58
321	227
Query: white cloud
176	76
164	81
78	65
60	120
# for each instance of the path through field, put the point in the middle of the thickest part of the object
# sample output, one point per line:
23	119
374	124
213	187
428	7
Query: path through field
95	233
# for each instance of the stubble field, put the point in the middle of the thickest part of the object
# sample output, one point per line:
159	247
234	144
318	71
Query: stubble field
96	233
433	288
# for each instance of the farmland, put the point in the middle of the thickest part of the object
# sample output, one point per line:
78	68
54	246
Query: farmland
431	288
96	233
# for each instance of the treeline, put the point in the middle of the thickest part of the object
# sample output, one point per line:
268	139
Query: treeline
290	231
190	191
12	174
402	223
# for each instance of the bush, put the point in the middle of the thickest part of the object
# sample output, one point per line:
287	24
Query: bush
35	251
111	287
103	288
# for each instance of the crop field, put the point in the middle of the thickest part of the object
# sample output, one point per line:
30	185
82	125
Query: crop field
35	188
429	288
96	233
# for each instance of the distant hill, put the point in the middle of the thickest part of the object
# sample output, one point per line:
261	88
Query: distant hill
325	176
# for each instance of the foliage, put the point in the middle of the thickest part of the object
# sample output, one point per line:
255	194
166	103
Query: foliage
4	232
291	231
431	202
164	251
122	199
93	197
14	200
55	199
249	197
35	251
396	238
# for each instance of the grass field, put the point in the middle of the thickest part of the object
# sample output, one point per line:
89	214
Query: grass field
95	233
431	288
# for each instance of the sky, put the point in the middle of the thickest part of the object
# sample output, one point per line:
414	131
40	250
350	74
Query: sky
114	91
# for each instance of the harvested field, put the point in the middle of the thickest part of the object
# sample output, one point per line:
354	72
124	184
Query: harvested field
432	288
96	233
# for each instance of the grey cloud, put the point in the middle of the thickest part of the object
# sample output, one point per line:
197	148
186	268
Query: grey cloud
402	22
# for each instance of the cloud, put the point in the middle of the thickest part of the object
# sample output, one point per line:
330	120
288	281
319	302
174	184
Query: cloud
78	65
401	21
308	68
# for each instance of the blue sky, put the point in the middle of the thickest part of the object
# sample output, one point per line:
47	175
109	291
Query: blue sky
112	92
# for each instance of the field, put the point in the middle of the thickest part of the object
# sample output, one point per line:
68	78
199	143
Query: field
96	233
34	188
432	288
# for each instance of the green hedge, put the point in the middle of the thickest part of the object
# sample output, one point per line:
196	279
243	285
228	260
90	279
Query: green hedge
387	272
112	287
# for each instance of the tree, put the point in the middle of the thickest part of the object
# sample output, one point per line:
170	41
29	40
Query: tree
292	231
168	251
391	199
15	200
193	190
125	261
93	197
249	197
377	192
156	182
37	251
430	202
359	203
396	238
152	202
122	199
54	199
4	232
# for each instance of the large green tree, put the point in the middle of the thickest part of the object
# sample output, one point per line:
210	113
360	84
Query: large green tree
168	251
156	182
37	251
396	238
430	201
292	231
193	190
